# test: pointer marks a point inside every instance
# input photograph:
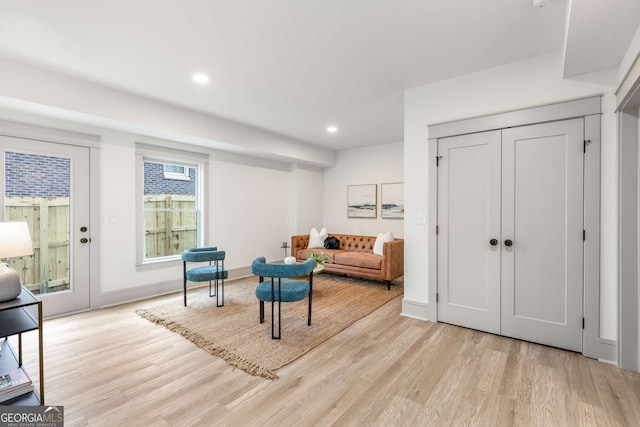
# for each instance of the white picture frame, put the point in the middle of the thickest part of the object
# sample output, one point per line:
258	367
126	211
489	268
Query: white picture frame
392	200
362	201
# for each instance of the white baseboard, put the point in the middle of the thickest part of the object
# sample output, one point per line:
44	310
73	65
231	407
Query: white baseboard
107	299
415	309
607	351
121	296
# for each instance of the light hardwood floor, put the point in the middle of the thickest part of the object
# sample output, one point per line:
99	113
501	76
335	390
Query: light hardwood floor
111	368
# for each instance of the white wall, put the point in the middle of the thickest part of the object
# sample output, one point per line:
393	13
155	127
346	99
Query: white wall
307	188
630	55
522	84
368	165
247	215
251	178
250	212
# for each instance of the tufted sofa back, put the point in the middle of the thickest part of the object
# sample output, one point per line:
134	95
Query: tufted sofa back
352	243
299	242
348	242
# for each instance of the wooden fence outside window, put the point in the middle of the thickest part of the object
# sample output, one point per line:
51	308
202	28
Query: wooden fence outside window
48	219
171	224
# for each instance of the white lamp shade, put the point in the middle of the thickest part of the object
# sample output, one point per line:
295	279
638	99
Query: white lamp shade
15	240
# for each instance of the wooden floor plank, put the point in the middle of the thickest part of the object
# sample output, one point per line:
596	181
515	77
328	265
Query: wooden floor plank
110	368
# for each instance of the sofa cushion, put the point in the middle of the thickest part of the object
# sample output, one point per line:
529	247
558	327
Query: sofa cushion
358	259
316	238
378	246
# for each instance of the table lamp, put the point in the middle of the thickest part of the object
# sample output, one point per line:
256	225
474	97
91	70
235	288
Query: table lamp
15	241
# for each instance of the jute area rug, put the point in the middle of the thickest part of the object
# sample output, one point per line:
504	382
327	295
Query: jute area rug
234	332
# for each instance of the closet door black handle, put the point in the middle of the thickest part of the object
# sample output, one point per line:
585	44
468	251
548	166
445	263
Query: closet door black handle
508	242
493	242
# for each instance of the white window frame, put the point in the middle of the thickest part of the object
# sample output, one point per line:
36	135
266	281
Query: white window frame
180	176
181	157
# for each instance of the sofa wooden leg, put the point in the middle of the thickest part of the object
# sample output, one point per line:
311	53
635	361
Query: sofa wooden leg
388	285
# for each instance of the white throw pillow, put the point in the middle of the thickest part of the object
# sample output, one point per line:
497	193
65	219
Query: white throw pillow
316	239
378	246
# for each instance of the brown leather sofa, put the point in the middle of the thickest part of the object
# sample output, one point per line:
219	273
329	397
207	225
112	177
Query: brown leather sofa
355	256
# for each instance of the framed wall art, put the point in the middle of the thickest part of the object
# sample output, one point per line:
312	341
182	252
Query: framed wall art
392	200
362	201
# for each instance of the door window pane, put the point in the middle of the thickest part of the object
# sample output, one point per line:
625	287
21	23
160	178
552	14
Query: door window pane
37	190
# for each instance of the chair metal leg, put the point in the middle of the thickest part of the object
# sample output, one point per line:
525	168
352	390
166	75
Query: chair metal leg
273	320
278	335
273	334
214	292
218	293
216	288
221	272
261	311
273	297
184	286
310	297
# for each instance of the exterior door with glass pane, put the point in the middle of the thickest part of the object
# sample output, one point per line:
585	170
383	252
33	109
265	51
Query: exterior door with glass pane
46	185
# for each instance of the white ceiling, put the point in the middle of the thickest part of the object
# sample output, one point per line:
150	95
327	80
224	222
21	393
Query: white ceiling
290	66
599	34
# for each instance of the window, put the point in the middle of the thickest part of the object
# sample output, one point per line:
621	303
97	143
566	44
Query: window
169	212
177	172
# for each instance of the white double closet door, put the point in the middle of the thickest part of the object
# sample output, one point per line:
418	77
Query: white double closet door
510	242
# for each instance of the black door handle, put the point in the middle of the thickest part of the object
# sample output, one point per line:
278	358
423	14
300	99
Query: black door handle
493	242
508	242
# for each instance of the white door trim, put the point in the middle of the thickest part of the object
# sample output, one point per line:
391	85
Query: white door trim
628	111
38	133
628	229
592	342
572	109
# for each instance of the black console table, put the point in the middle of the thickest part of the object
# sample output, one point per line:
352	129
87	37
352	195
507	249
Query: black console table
20	315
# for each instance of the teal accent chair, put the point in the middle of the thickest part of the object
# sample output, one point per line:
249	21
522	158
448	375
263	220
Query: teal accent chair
284	289
214	272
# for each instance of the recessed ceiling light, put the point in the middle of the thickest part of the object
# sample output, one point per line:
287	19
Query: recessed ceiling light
202	79
332	129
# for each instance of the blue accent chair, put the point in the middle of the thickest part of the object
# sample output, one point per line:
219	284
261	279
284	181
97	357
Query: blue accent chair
213	272
284	289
